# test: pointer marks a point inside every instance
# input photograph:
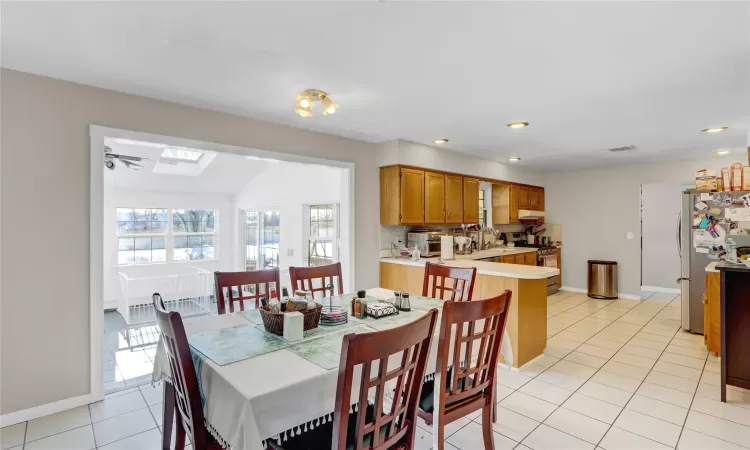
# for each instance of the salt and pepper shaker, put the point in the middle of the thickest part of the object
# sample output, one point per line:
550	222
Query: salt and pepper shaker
405	303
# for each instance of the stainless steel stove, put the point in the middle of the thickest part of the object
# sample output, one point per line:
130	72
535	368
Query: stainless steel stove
546	256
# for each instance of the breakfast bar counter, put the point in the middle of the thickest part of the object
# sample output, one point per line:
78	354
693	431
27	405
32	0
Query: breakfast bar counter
527	319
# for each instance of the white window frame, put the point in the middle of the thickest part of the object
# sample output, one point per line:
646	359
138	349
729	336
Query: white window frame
259	253
169	236
307	238
173	234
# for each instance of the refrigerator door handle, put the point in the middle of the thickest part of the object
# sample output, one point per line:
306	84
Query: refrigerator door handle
682	279
679	235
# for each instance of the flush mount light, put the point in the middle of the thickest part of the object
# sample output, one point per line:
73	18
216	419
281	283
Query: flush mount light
181	155
306	102
518	125
722	151
715	129
440	141
514	159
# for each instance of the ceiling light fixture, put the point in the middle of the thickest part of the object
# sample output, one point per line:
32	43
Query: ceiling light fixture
722	151
514	159
518	125
715	129
306	102
181	155
440	141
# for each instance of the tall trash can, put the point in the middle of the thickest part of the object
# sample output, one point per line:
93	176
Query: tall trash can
602	277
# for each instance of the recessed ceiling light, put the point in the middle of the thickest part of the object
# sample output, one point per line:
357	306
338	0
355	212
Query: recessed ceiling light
182	155
722	151
514	159
440	141
518	125
715	129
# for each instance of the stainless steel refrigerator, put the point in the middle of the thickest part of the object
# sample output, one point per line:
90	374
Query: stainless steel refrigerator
693	264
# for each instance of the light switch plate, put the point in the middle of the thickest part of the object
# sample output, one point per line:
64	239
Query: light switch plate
629	235
290	252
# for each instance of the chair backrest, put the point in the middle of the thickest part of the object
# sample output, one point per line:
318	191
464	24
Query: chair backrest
473	363
184	381
231	287
407	347
441	281
321	279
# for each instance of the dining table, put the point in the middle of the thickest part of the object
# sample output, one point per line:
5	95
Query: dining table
256	386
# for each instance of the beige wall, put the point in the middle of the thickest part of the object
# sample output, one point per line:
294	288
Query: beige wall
45	216
598	207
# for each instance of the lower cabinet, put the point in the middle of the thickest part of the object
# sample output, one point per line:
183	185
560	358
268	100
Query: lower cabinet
528	259
712	312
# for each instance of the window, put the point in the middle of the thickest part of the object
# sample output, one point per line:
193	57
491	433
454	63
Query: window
193	231
262	238
141	235
482	211
322	243
160	235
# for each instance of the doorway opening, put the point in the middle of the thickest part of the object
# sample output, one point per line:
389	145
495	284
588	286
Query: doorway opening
173	212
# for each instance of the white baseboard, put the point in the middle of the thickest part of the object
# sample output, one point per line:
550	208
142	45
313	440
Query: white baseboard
110	305
584	291
43	410
660	289
572	289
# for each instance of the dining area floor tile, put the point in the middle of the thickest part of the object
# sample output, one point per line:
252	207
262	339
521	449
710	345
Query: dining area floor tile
615	375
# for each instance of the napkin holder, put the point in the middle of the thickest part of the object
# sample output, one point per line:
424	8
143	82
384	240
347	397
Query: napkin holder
294	326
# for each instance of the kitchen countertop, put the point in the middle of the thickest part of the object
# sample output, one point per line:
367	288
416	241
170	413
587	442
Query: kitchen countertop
486	268
712	267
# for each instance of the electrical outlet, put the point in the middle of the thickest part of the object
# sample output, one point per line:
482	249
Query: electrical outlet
290	252
629	235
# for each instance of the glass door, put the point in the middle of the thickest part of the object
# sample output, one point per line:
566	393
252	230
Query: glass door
262	235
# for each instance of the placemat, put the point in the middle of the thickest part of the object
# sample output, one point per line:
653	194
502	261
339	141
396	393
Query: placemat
325	351
238	343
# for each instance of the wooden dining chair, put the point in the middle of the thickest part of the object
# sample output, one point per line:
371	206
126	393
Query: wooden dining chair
317	279
464	384
181	392
455	282
228	287
387	421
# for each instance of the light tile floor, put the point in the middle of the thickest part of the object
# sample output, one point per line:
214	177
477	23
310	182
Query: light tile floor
616	375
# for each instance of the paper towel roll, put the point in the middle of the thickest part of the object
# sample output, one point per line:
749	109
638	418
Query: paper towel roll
446	248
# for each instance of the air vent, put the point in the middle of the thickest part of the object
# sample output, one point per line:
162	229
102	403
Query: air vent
622	149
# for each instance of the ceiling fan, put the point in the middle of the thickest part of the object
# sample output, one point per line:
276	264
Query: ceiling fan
131	162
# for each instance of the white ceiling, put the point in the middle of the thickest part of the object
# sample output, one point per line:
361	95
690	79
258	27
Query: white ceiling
226	174
588	76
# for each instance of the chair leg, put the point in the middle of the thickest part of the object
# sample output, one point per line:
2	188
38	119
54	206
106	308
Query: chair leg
494	403
167	415
487	413
179	441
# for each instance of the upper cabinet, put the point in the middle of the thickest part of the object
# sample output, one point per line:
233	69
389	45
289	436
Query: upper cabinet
454	199
434	197
414	196
471	200
523	197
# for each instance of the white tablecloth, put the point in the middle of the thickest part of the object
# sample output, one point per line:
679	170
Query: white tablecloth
258	398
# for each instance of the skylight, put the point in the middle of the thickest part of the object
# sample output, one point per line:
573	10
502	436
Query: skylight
182	154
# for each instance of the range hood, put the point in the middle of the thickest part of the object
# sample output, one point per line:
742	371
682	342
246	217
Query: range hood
530	217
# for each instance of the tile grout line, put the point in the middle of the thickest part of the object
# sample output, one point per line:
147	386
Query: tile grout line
608	360
690	408
639	386
91	419
587	380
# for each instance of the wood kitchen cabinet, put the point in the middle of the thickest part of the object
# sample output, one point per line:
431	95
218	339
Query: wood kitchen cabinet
523	197
413	196
434	197
471	200
529	259
504	203
519	259
534	199
454	199
712	312
508	259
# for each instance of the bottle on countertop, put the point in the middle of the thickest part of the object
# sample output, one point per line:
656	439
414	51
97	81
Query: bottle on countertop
415	253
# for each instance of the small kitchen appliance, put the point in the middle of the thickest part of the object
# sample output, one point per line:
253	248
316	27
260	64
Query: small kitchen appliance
427	240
